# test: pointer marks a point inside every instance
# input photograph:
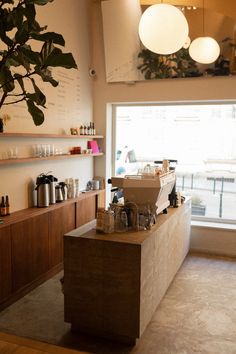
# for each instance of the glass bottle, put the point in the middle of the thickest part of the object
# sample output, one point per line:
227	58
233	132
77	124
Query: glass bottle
7	205
3	209
121	222
94	130
88	130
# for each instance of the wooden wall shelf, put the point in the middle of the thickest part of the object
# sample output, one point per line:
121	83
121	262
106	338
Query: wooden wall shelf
38	159
58	136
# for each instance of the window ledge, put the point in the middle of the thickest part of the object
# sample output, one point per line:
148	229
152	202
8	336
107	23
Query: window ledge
213	225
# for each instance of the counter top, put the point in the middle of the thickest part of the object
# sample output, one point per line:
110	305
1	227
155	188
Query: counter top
132	237
34	211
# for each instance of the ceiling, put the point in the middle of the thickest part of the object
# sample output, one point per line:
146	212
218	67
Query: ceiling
225	7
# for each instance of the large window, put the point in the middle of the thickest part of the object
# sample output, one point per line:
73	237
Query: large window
202	137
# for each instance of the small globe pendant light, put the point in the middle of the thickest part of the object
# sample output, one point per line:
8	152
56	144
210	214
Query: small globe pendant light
204	50
163	29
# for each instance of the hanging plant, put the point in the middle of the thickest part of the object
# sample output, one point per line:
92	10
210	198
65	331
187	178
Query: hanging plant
18	31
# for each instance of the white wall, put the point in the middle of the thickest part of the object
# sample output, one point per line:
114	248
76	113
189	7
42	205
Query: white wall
168	90
215	240
69	105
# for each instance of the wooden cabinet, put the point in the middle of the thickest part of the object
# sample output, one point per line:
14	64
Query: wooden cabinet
30	250
85	210
31	243
5	263
60	222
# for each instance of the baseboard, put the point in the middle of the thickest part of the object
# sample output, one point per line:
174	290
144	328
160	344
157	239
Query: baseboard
29	287
211	253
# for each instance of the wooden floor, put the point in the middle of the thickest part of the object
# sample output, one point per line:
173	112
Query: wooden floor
10	344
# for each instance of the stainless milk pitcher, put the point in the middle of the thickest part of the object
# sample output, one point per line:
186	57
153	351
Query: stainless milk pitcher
59	196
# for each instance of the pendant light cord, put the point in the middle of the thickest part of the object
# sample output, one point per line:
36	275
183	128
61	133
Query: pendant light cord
203	18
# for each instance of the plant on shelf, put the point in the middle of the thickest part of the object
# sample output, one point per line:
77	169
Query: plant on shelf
20	63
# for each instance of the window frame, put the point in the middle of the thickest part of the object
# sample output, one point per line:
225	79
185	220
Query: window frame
169	103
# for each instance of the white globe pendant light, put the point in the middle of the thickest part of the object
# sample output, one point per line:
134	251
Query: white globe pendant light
163	29
204	50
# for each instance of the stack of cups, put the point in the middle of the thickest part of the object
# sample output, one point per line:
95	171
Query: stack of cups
73	187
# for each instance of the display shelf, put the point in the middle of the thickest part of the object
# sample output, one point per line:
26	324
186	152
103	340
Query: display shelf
37	159
58	136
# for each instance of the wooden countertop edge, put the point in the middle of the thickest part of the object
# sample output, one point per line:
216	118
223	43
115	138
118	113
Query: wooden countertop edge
34	211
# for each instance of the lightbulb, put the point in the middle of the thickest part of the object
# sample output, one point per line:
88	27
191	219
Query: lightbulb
163	29
204	50
187	43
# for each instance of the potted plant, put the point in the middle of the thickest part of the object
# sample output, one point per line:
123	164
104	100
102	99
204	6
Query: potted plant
156	66
198	207
20	63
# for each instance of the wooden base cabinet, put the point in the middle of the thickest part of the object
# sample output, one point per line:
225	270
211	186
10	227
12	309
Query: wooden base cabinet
31	243
85	210
5	263
30	250
60	221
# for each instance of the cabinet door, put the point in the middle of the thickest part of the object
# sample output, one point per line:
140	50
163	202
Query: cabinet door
85	210
30	250
61	221
5	263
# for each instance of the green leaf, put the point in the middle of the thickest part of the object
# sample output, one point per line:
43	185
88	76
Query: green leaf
19	56
29	12
35	112
46	75
46	50
22	35
7	2
38	2
20	81
31	56
64	60
18	17
40	98
6	80
49	37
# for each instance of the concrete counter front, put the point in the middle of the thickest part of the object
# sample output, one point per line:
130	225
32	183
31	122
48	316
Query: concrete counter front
114	282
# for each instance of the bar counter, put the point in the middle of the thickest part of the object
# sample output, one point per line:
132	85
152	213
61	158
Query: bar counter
114	282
